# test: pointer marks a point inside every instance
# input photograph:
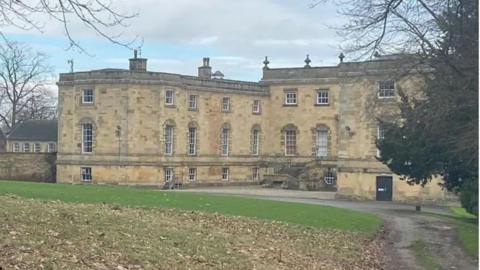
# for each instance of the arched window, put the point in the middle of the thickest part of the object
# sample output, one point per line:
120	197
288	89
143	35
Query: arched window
255	140
169	128
289	134
225	139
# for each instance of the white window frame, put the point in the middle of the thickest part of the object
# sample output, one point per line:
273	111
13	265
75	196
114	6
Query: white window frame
384	92
330	177
255	173
256	106
36	147
26	147
87	139
226	104
380	136
192	174
322	143
288	138
256	142
169	175
169	140
192	102
323	97
169	97
291	98
192	141
86	174
225	173
87	96
16	147
225	141
51	147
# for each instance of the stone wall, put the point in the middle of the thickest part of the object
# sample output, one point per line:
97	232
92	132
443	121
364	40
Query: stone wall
37	167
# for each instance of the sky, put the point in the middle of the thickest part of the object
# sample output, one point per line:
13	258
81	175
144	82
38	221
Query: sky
176	35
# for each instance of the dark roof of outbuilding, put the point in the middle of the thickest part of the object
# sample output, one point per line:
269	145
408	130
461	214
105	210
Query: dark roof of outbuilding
34	130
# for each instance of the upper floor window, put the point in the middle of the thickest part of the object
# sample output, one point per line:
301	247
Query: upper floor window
226	104
36	147
386	89
168	174
87	138
192	141
192	174
16	147
380	136
51	147
290	97
26	147
290	142
225	140
169	97
169	140
322	97
87	96
86	174
192	102
256	106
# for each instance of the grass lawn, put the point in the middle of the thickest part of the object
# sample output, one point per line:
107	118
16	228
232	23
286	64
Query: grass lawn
315	216
467	226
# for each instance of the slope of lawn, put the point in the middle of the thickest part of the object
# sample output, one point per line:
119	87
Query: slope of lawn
304	214
467	226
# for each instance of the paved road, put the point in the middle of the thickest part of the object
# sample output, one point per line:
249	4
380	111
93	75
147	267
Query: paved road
403	226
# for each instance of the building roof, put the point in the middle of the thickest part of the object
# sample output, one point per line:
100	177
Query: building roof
34	130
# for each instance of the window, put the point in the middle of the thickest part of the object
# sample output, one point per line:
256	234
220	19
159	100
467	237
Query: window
291	98
87	96
255	173
322	143
26	147
192	141
168	174
256	106
169	98
168	140
192	174
36	147
226	104
51	147
87	138
86	174
290	142
16	147
225	174
322	97
255	141
329	177
386	89
380	136
192	102
225	137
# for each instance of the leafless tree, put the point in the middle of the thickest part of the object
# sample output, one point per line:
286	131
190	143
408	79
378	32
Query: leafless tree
98	15
24	78
390	26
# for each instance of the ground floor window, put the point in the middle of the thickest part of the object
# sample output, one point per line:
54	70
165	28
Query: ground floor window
16	147
86	174
329	177
52	147
26	147
255	173
225	174
192	174
36	147
168	174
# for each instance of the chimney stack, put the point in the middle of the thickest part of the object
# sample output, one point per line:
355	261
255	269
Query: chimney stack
205	71
137	64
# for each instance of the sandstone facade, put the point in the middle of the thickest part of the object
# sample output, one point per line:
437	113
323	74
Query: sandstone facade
134	113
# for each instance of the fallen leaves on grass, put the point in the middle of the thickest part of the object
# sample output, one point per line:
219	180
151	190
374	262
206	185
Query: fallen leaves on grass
56	235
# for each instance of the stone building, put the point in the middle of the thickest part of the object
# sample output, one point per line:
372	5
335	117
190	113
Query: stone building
310	127
36	136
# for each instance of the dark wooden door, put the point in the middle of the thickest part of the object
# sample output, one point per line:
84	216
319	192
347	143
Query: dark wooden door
384	188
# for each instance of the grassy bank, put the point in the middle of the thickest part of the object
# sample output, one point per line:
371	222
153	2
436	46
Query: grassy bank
467	228
304	214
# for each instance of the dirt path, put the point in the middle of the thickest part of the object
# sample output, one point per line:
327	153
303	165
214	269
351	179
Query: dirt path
404	228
